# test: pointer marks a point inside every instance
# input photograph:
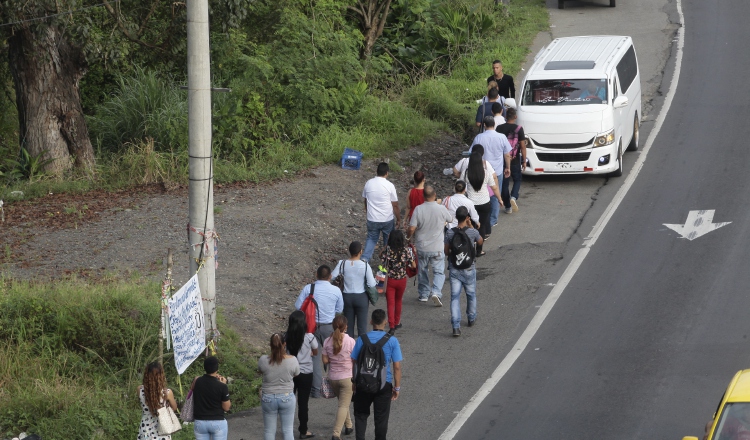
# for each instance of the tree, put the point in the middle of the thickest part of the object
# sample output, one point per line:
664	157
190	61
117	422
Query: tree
371	17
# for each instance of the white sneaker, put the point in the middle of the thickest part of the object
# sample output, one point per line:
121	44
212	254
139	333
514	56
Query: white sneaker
514	205
424	300
436	300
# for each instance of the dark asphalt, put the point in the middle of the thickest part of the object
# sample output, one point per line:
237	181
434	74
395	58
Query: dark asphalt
645	338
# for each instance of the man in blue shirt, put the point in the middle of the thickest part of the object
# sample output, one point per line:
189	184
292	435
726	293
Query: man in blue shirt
381	401
330	302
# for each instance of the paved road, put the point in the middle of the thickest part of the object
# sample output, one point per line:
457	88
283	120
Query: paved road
650	330
441	373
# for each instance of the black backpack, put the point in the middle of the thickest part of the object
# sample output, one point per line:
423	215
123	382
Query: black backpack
462	250
371	368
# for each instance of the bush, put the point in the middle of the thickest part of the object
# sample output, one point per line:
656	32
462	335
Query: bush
433	99
72	355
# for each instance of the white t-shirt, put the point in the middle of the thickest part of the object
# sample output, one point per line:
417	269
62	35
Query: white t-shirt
379	193
482	196
463	164
499	120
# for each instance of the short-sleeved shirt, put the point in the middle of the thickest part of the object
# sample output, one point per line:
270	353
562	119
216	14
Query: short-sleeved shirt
208	393
473	235
278	379
430	219
481	196
453	202
484	109
496	146
391	349
380	193
463	164
304	356
508	129
340	364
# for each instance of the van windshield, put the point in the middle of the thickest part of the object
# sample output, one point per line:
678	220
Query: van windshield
565	92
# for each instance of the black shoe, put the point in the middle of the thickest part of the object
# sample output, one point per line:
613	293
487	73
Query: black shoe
471	322
310	435
348	431
398	326
456	332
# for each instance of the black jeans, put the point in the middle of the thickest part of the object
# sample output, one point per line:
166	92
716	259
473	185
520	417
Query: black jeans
356	306
517	176
302	387
382	409
485	228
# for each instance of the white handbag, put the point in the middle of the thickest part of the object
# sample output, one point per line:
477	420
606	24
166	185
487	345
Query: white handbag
168	421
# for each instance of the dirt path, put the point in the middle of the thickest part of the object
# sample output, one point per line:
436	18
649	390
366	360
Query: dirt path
273	236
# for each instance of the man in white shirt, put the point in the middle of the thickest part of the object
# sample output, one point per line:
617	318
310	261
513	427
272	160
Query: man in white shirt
497	152
452	203
381	204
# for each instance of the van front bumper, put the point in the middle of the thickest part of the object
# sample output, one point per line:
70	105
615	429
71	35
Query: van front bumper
601	160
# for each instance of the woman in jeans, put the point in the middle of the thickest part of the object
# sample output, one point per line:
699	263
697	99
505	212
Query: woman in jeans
356	274
396	257
277	398
210	402
337	351
303	346
478	175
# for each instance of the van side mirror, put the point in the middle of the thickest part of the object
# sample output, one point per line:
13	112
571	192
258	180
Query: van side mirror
690	438
510	103
620	101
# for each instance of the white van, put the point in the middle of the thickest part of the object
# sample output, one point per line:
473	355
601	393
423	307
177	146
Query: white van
580	106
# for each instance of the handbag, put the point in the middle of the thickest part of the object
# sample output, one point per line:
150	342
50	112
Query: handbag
339	280
326	389
411	272
168	421
372	292
186	413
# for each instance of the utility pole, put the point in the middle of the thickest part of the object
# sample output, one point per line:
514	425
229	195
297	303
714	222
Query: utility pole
201	233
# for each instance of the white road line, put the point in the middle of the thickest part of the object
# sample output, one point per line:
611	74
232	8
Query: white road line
536	322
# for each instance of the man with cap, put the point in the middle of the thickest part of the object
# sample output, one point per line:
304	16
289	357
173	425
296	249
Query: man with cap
497	152
330	302
210	402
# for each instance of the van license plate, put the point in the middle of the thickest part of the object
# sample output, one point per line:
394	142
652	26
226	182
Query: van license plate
567	166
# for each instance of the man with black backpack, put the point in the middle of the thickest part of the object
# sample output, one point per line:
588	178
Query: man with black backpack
459	246
372	380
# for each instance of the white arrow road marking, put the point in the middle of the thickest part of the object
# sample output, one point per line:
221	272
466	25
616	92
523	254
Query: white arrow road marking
698	223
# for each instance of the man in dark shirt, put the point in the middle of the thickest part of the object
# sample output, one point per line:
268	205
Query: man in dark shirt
210	401
485	108
504	82
517	160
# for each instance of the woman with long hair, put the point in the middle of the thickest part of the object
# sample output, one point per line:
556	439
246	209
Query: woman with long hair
416	196
303	346
337	351
396	257
153	394
277	399
210	402
357	275
478	174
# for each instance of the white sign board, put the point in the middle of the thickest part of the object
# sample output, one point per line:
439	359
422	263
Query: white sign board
186	322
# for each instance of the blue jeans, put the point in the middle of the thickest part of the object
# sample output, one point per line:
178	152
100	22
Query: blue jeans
466	278
374	229
437	260
274	405
495	206
210	430
516	175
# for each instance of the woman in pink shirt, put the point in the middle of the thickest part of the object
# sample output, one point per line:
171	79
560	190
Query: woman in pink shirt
337	351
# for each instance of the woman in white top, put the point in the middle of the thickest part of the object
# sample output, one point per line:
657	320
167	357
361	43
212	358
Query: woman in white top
478	175
356	302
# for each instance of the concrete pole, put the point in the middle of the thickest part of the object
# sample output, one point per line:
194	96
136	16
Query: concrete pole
201	172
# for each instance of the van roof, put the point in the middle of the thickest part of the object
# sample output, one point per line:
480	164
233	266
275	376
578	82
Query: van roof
579	57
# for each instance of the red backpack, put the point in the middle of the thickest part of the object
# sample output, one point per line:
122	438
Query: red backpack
310	308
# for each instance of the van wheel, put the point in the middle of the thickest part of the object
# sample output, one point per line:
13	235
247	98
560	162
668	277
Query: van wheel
612	3
635	141
561	4
618	171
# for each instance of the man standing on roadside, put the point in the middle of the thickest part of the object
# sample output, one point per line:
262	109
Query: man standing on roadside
452	203
381	401
459	247
330	302
497	153
427	225
504	82
485	108
517	140
381	204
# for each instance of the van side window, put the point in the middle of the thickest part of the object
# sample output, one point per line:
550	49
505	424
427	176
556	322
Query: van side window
627	69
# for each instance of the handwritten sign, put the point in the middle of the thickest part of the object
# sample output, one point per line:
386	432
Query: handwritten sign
186	322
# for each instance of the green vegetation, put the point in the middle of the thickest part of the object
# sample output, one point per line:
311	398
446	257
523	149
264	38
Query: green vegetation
72	355
301	92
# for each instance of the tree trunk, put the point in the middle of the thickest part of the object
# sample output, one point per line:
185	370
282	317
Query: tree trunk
46	70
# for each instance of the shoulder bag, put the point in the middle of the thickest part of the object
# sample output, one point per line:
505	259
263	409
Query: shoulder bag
186	413
372	292
168	421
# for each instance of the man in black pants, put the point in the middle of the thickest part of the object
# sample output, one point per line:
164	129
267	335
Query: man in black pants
381	401
504	82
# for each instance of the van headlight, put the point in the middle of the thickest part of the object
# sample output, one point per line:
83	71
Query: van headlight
605	139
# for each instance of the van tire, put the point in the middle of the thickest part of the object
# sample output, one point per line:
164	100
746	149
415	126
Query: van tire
561	4
635	141
618	171
612	3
